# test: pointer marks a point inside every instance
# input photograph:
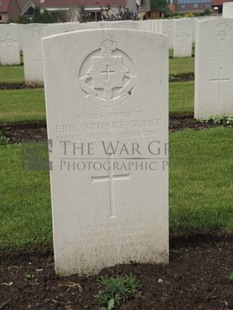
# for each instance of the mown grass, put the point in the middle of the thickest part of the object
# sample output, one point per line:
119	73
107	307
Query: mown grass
181	65
25	204
201	191
15	74
22	105
11	74
181	98
29	104
201	181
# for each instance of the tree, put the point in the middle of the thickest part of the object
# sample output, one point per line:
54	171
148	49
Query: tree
44	17
23	20
160	5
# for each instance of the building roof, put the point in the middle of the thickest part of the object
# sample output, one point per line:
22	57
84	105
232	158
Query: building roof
4	4
219	2
81	3
24	3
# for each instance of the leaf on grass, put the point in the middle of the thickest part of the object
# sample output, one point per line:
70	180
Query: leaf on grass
230	276
111	304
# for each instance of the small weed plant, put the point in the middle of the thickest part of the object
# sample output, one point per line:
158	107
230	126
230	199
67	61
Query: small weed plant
117	290
230	276
218	119
3	140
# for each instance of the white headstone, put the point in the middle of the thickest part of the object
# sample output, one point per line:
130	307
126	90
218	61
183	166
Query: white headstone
227	11
183	38
141	25
31	35
108	207
63	27
193	29
122	24
214	68
9	45
149	25
155	27
167	26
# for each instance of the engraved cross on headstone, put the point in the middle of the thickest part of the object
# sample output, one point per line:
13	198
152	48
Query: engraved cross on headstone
111	178
220	80
108	72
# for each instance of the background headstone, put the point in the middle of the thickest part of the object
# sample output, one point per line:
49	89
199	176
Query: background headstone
183	38
167	26
214	68
227	11
31	36
9	45
65	27
99	91
120	24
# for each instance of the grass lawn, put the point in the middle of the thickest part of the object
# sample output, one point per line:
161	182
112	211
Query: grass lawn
181	65
201	181
11	74
201	191
29	104
25	203
15	74
22	105
181	98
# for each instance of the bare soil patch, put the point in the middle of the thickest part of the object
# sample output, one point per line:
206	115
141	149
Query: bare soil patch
36	131
195	278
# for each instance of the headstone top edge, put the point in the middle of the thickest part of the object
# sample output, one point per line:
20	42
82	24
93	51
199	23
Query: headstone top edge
103	30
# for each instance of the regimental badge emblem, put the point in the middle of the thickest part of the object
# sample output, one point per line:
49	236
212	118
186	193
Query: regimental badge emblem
107	76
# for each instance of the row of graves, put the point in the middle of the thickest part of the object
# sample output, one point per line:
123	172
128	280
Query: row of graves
212	56
106	89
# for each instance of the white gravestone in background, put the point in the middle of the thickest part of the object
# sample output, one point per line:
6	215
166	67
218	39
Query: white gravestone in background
148	25
31	36
9	45
61	28
193	29
227	11
120	24
183	38
167	26
109	205
214	68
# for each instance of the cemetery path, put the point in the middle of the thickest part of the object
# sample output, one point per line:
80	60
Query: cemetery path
36	131
196	278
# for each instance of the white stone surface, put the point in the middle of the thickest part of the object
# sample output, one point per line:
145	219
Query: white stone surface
9	45
183	38
167	26
193	20
101	92
64	27
214	68
141	24
151	25
120	24
20	37
227	11
31	36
